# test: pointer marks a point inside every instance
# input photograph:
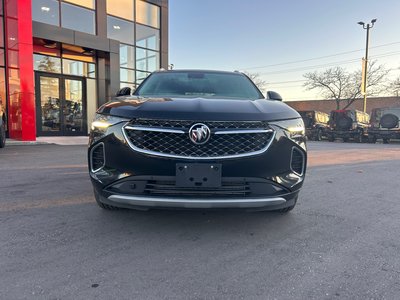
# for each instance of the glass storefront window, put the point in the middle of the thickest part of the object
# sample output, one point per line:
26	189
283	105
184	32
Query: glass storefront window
1	32
46	11
120	30
121	8
140	76
127	75
77	18
147	60
46	63
2	87
13	58
91	71
78	68
72	67
147	37
85	3
126	56
41	49
76	56
2	61
148	14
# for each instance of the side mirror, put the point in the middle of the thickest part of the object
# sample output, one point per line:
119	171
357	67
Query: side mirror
273	96
126	91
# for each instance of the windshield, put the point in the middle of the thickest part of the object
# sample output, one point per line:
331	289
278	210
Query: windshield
195	84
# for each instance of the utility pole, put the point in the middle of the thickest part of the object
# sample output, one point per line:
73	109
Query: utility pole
365	62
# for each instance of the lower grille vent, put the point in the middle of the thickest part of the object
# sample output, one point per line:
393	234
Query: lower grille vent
154	187
297	163
97	157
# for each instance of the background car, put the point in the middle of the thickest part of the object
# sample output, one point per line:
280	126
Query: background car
348	124
384	124
316	124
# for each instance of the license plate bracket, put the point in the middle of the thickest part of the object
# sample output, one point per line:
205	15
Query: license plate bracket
198	175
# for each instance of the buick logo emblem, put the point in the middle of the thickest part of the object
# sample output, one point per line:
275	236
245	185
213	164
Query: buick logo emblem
199	133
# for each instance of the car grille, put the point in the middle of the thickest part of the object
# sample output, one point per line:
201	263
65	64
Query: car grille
156	187
255	138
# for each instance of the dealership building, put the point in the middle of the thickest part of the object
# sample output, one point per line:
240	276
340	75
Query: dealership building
61	59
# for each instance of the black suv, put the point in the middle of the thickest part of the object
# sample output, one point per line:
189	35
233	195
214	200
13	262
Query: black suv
197	139
385	124
316	124
3	125
348	124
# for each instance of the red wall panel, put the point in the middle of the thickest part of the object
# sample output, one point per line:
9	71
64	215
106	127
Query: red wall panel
19	69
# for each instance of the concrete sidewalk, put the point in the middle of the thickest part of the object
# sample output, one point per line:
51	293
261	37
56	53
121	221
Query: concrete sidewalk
57	140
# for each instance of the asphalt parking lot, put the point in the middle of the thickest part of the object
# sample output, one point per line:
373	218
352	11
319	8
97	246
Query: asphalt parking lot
342	241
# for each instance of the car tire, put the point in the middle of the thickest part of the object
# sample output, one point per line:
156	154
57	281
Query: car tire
386	141
359	137
372	139
345	140
97	196
331	138
2	136
288	209
318	136
389	121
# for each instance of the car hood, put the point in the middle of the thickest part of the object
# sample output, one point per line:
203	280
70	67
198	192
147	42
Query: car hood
198	109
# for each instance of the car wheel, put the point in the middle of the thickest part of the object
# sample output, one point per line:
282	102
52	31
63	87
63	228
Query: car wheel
389	121
359	138
345	140
287	209
101	204
331	138
2	136
372	139
318	137
386	141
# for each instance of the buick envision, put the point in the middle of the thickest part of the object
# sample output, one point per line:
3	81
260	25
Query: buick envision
197	139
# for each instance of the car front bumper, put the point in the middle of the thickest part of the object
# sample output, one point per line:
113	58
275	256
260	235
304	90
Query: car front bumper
131	179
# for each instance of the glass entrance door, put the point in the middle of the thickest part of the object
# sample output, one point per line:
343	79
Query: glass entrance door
61	105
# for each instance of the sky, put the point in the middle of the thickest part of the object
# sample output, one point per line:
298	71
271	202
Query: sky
281	40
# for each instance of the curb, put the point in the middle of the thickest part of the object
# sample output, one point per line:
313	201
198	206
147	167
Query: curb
61	141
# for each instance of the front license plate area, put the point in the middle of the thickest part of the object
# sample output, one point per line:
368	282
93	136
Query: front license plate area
198	175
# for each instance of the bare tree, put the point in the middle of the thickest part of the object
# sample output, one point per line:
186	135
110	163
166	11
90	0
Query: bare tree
258	81
345	87
394	87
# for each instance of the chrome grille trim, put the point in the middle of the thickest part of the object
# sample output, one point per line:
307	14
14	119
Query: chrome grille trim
219	132
153	129
244	131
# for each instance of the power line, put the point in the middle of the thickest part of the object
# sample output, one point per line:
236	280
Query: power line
343	62
312	67
316	58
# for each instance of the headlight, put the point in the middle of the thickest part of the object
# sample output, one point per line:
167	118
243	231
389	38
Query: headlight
294	129
101	123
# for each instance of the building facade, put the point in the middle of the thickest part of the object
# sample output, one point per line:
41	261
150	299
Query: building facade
61	59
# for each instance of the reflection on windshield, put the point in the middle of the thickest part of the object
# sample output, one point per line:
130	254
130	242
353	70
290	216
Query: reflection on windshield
196	84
